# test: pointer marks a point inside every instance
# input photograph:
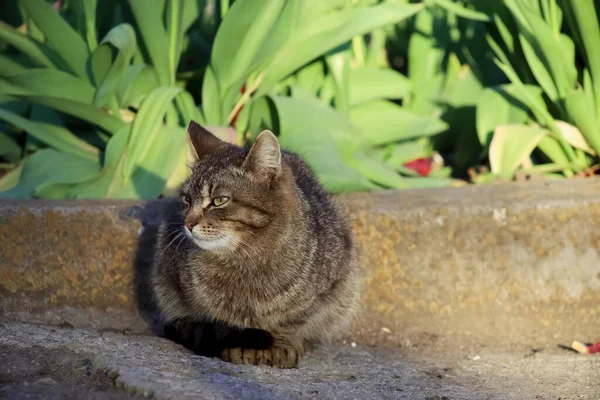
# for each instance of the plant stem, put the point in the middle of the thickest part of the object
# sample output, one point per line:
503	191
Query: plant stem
224	8
245	97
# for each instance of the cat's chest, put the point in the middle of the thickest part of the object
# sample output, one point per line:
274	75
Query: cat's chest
239	300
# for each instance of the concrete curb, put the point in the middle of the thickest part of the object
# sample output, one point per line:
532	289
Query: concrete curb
519	260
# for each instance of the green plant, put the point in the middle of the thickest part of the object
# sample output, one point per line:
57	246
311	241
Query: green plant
120	122
332	111
545	121
94	118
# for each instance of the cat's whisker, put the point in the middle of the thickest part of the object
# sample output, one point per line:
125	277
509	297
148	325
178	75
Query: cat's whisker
179	243
174	232
171	242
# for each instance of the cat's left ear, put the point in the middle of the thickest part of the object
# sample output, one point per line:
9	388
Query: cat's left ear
201	141
264	158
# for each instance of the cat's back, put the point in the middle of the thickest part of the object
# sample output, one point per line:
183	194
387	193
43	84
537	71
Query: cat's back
328	217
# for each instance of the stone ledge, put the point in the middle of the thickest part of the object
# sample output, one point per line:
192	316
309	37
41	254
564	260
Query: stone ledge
520	260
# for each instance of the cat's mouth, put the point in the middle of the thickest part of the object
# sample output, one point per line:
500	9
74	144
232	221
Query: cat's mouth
216	242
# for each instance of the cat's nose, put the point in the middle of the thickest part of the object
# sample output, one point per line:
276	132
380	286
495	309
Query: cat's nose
190	225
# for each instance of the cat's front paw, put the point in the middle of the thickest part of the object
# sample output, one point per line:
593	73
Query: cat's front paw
276	356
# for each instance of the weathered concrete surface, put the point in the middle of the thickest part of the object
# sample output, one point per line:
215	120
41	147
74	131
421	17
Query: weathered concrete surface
41	362
514	260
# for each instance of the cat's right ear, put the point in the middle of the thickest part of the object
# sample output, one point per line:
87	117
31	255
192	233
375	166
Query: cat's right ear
201	141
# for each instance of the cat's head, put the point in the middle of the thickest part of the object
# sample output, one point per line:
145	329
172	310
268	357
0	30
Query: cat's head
231	194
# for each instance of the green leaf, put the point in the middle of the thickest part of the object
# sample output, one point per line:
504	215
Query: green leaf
339	70
189	111
122	37
9	148
59	34
99	64
88	113
500	105
56	136
138	82
89	10
258	30
151	174
149	19
51	174
378	172
174	17
426	54
582	114
48	82
309	129
511	145
37	51
147	125
324	33
110	180
10	179
551	56
407	151
585	21
367	84
310	78
461	11
384	122
211	99
574	137
9	66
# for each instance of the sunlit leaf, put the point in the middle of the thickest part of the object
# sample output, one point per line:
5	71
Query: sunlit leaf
511	145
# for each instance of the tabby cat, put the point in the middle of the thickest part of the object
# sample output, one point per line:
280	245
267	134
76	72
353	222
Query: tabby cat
258	260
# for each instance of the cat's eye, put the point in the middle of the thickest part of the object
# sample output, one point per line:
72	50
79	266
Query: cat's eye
219	201
185	199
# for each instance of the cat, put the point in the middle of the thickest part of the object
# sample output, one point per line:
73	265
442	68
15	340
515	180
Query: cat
258	260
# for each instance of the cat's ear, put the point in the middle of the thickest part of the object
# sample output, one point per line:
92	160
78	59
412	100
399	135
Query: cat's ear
264	158
201	141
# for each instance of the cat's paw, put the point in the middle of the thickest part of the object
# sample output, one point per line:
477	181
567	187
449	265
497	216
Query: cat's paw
277	356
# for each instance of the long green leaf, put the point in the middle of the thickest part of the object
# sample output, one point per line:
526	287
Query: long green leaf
384	122
56	136
368	84
48	82
582	114
462	11
149	20
151	174
9	66
37	51
147	126
500	105
86	112
511	146
175	9
122	37
59	34
377	171
89	10
138	82
312	130
211	99
320	35
110	181
258	29
586	23
50	174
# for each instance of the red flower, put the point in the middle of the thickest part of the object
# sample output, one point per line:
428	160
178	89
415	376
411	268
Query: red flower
421	165
235	117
